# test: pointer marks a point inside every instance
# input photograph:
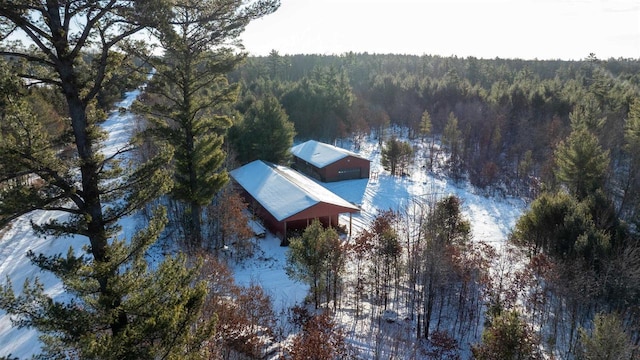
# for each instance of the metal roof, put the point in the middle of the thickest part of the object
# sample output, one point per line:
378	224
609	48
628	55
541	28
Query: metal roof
284	192
320	154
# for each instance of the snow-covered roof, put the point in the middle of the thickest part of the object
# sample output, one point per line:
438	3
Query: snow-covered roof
320	154
282	191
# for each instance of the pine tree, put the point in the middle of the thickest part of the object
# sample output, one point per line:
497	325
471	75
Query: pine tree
396	155
447	223
452	140
507	338
425	124
311	257
631	183
560	226
91	188
161	305
581	163
192	112
607	340
265	133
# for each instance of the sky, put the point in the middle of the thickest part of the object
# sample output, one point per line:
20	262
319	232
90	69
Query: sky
525	29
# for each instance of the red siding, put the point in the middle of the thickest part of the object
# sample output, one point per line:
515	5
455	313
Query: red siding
326	213
347	168
343	169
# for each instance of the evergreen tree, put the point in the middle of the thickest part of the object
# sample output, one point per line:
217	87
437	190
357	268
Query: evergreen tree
70	327
444	230
425	124
396	156
318	104
562	227
265	133
91	188
310	256
276	64
607	340
161	305
585	115
507	338
632	130
192	112
447	224
630	202
581	163
452	140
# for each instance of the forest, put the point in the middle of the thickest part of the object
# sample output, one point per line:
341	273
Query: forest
562	135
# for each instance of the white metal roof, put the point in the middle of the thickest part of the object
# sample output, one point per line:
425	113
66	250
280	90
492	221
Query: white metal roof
282	191
320	154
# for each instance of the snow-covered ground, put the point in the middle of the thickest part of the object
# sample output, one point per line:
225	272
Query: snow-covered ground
491	217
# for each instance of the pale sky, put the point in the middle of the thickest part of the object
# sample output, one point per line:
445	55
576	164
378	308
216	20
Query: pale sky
525	29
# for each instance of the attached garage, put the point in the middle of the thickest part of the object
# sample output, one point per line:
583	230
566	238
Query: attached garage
329	163
287	200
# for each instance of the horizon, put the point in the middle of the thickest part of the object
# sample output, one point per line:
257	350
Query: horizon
505	29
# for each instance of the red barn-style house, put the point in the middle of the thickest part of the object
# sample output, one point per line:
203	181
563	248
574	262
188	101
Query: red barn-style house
287	200
329	163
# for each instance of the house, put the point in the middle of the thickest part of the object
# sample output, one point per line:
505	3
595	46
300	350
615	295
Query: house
288	200
329	163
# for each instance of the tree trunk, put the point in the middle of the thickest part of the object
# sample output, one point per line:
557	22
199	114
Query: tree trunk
428	309
92	205
195	235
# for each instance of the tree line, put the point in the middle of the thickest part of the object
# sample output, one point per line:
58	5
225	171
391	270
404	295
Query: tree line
562	134
500	118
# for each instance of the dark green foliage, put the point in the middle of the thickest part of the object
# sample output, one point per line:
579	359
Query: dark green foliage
161	305
265	133
581	163
607	340
316	258
630	201
452	141
507	337
318	105
507	111
191	109
425	124
447	225
562	227
125	77
396	156
86	181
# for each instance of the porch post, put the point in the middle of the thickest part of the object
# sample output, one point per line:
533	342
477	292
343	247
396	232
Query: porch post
285	241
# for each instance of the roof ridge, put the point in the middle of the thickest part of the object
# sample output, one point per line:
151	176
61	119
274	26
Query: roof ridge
284	171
